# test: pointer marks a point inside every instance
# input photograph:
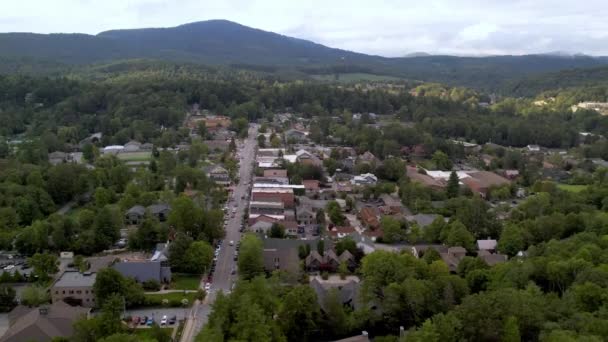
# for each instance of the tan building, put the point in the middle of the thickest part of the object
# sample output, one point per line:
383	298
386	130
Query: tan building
75	288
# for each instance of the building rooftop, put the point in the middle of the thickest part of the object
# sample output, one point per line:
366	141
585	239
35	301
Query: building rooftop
76	279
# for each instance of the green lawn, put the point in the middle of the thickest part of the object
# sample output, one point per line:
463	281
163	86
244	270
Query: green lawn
185	281
354	77
572	188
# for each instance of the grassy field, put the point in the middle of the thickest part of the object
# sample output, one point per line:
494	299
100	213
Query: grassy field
185	281
135	156
346	78
572	188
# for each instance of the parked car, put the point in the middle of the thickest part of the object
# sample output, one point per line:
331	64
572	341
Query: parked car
143	320
135	320
231	243
163	320
207	287
150	321
172	320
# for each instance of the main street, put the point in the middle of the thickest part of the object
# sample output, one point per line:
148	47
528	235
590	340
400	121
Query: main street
223	277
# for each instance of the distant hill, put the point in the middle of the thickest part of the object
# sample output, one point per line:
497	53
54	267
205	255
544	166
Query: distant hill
222	42
580	77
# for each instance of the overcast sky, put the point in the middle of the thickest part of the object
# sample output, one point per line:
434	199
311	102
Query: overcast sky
382	27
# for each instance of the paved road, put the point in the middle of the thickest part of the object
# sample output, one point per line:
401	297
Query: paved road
222	278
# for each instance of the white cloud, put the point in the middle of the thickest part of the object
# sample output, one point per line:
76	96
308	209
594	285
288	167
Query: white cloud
384	27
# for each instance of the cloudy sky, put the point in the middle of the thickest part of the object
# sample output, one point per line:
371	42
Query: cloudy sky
382	27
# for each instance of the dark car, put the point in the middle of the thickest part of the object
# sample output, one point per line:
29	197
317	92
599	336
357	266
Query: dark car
172	320
143	320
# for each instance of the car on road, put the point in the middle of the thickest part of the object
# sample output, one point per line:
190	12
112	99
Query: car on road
233	272
163	320
150	321
231	243
208	287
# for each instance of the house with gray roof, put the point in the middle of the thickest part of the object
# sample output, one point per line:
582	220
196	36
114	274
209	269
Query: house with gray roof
43	323
135	215
347	289
160	211
282	254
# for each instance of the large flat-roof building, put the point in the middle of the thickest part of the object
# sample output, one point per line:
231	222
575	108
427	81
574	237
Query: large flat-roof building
75	288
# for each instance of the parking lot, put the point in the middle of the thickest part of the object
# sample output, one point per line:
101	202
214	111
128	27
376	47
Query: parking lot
158	313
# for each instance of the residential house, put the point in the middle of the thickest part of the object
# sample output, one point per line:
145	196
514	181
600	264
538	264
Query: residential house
135	215
329	261
348	289
305	216
368	217
218	174
160	211
422	220
144	270
58	157
453	256
368	158
75	288
311	186
364	179
44	323
392	205
261	227
481	181
275	173
306	158
486	245
132	146
282	254
492	258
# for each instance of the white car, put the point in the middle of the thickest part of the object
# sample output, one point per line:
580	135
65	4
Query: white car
231	243
207	287
163	321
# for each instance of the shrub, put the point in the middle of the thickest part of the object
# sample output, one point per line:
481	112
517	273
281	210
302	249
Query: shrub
151	285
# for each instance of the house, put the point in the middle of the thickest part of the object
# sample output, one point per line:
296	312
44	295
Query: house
282	254
311	186
392	205
218	174
261	227
511	174
255	218
368	158
469	148
347	288
132	146
368	217
74	288
492	258
422	220
92	139
305	216
533	148
275	173
144	270
415	176
307	158
364	179
160	211
57	157
329	261
486	245
135	215
453	256
44	323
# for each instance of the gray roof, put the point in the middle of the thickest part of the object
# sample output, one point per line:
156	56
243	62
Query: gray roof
137	209
286	252
158	208
139	270
76	279
422	220
43	323
347	290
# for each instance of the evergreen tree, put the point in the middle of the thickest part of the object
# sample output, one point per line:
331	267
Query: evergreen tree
453	187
